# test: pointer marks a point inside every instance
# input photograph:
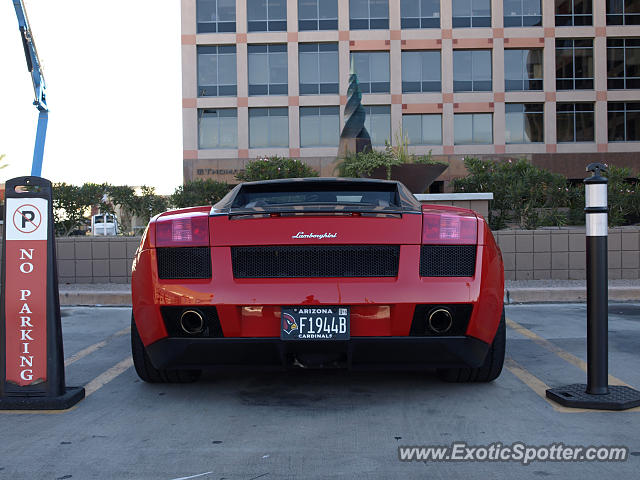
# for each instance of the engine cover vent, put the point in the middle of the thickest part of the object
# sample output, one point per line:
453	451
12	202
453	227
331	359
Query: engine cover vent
301	261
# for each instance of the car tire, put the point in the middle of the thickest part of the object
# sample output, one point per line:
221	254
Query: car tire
490	369
145	369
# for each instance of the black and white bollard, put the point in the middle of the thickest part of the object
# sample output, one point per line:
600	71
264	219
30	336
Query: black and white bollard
596	394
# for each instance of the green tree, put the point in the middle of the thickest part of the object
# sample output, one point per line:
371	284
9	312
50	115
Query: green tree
124	197
199	192
72	205
150	204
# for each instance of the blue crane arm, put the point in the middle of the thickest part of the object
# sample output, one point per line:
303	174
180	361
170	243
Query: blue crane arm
35	69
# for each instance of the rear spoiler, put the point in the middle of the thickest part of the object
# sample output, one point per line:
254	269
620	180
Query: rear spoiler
235	202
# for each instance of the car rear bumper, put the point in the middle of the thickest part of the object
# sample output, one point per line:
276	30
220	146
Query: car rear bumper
378	353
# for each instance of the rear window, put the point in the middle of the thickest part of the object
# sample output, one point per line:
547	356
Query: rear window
299	193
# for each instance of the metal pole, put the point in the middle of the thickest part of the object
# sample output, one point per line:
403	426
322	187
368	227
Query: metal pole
597	284
38	151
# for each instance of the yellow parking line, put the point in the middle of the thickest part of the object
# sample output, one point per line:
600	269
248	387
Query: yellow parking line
90	388
566	356
540	388
537	385
96	346
530	380
104	378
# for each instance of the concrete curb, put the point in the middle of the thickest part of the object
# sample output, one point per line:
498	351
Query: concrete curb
566	294
512	295
95	297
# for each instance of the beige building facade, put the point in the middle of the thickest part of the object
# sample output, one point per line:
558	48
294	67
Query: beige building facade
556	81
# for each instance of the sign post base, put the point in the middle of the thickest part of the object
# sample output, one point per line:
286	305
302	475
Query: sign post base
68	399
575	396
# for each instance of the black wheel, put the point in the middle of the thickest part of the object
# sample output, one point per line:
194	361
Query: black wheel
490	369
145	369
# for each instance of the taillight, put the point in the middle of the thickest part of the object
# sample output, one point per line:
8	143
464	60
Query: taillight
449	228
182	230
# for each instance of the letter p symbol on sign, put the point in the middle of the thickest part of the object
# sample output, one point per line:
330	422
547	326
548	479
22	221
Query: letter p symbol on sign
27	217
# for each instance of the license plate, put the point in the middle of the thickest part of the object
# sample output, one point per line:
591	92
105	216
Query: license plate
315	323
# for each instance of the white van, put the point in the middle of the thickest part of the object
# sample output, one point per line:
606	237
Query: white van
104	224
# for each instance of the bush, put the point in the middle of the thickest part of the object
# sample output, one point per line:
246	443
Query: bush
275	167
530	196
199	192
522	193
624	204
361	164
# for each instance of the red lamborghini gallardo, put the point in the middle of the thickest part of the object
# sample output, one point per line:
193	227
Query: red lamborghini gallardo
318	272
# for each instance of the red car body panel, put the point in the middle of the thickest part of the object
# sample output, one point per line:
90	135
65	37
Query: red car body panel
279	230
380	306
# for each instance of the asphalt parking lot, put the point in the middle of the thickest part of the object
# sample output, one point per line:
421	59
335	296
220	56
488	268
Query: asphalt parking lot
322	424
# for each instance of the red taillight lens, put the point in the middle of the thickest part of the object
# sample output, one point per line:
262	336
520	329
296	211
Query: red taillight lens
182	230
449	228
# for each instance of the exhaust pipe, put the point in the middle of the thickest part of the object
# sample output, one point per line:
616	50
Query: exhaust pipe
440	320
192	322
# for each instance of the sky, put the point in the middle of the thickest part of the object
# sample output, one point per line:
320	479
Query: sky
113	77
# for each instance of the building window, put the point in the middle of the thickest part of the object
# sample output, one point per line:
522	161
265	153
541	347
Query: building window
319	126
378	123
471	13
368	14
624	122
318	68
317	14
522	13
217	71
623	12
267	15
574	64
216	16
524	123
570	13
420	14
373	71
473	128
269	127
575	122
523	70
218	128
623	63
472	70
423	129
421	71
268	69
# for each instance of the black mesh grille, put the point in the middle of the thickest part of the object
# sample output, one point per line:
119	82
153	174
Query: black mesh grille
316	261
447	260
186	262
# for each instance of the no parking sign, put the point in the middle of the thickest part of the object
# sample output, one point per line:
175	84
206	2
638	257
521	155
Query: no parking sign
31	356
25	306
